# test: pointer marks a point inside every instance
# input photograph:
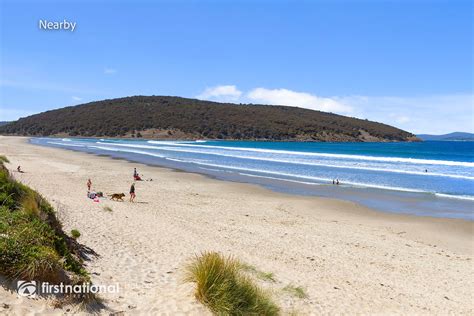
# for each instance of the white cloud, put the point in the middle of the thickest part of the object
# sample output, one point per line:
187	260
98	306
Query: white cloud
110	71
299	99
76	98
226	93
431	114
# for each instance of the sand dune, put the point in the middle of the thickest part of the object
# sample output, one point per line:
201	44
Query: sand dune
349	259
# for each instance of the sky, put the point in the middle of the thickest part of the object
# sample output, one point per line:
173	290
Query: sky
404	63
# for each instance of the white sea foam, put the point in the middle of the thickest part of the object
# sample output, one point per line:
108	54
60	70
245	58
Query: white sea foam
331	163
128	145
340	156
459	197
128	151
320	179
175	159
278	175
63	144
210	169
279	179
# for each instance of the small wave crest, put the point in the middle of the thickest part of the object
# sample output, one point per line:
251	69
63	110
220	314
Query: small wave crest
331	164
328	155
68	145
458	197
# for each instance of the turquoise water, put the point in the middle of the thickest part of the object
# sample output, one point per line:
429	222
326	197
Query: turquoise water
440	172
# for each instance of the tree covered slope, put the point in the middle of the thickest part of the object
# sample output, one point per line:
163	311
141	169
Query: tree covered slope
181	118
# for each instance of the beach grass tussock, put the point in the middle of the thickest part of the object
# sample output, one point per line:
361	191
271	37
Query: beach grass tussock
224	289
3	158
296	291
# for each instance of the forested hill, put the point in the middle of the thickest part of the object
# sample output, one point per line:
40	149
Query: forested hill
179	118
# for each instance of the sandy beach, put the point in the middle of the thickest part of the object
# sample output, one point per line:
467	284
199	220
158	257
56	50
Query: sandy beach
349	259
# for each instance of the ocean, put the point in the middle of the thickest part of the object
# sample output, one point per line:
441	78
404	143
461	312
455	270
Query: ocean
429	178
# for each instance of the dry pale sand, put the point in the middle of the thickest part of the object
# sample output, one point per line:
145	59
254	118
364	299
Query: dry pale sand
349	259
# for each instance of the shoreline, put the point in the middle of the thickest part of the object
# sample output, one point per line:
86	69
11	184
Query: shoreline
381	198
318	243
166	138
368	213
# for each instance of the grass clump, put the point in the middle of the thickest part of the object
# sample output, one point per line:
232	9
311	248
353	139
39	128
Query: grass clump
296	291
3	158
265	276
75	233
107	208
224	289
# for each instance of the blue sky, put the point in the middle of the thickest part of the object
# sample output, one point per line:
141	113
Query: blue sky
405	63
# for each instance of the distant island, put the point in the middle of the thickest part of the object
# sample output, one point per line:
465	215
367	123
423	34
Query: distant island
165	117
456	136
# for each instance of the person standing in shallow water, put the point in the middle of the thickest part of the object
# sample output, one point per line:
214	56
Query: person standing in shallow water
132	192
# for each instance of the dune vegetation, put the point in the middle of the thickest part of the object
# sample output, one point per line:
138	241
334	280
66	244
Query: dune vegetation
222	286
33	245
265	276
296	291
75	233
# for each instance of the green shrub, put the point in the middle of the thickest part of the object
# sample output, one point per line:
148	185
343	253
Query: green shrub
3	158
32	243
75	233
221	286
27	247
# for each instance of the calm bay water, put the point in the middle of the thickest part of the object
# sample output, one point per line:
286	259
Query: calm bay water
426	178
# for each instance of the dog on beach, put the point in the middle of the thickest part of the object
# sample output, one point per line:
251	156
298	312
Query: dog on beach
117	196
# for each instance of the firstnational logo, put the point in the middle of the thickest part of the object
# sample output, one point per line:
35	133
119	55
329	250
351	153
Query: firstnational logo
26	288
34	288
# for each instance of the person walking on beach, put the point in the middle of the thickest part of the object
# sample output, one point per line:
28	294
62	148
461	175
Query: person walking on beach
89	184
132	192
